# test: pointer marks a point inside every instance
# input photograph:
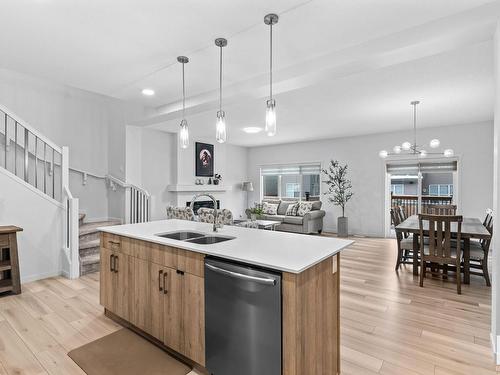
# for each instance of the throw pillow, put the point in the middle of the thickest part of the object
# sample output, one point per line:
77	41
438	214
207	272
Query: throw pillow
269	208
292	209
304	208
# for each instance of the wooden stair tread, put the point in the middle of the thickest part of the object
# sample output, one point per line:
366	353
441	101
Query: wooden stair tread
5	265
6	285
89	244
90	259
88	228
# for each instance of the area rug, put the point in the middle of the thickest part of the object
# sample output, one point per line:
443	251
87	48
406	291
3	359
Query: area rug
125	353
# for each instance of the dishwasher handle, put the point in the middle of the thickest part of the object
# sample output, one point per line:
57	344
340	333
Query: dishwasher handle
237	275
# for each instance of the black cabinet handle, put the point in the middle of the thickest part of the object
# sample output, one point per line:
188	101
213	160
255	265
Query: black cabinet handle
160	288
111	263
165	291
116	263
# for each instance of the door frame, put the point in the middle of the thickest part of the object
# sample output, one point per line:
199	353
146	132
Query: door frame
457	186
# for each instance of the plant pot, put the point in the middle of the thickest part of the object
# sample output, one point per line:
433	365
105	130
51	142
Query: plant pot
253	217
342	227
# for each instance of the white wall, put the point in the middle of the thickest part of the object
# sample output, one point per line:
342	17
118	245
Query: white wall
154	161
230	163
40	242
91	125
472	143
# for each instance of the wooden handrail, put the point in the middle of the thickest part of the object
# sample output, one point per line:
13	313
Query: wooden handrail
424	197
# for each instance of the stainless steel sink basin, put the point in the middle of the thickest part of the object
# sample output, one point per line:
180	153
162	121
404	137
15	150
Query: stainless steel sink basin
181	235
209	240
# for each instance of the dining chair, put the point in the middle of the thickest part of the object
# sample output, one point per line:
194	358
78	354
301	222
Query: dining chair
441	209
402	213
439	249
405	244
488	217
479	251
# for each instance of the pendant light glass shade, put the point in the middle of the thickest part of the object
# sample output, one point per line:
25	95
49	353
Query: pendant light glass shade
184	135
220	132
220	126
184	130
271	118
270	20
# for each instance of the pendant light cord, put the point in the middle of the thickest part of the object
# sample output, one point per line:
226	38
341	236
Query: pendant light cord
271	62
415	127
183	94
220	81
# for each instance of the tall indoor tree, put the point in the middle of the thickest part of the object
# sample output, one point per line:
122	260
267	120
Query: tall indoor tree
339	191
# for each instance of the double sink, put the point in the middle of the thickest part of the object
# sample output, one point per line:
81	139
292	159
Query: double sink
195	237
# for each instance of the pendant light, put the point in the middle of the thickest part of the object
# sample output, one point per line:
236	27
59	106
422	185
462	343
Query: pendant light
414	149
220	132
270	20
184	132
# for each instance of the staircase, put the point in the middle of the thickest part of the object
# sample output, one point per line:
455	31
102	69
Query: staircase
89	241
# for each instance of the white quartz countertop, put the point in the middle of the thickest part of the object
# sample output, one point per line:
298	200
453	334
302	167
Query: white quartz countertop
282	251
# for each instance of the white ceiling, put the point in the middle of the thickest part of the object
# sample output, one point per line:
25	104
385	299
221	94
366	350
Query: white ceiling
342	67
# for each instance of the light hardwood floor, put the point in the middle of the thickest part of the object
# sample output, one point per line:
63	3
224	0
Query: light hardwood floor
390	326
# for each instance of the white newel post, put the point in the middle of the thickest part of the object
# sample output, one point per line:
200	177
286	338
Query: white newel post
70	230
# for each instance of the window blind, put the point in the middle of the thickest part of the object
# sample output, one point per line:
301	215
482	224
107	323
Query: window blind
305	169
414	168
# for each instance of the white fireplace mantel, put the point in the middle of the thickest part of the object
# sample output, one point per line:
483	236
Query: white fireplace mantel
198	188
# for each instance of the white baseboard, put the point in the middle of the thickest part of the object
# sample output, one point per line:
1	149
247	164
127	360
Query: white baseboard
495	344
40	276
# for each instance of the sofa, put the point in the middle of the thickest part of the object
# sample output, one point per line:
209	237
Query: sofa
311	222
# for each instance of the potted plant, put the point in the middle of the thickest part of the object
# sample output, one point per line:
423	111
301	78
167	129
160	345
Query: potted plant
255	212
339	192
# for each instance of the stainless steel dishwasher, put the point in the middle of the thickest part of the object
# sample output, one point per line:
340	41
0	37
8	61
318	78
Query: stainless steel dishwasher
242	319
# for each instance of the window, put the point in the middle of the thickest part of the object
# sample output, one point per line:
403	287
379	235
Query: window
441	190
292	190
291	181
397	189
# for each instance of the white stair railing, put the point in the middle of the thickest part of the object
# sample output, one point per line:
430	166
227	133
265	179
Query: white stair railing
137	200
36	160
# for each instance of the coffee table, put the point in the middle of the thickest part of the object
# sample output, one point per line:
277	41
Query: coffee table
263	224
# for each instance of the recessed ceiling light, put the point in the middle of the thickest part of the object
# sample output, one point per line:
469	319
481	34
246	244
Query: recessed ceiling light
148	92
252	129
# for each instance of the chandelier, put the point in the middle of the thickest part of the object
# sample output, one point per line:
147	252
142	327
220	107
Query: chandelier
413	149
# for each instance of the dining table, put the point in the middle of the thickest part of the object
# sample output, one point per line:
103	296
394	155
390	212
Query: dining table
472	228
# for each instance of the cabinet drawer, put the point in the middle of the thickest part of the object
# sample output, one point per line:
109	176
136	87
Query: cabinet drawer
111	241
156	253
191	262
4	240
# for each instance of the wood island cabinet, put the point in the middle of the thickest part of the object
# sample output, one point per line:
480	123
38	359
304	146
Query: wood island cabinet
159	291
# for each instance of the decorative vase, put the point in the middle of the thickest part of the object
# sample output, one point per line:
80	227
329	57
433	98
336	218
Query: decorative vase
253	217
342	227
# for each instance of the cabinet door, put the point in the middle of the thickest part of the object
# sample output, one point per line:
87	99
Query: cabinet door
124	290
193	318
156	280
140	314
172	309
106	280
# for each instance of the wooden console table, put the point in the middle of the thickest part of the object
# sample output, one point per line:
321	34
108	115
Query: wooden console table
9	261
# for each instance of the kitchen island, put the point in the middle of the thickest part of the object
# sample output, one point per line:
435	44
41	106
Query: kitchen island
156	286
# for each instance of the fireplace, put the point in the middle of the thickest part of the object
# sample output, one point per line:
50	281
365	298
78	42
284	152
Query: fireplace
204	204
